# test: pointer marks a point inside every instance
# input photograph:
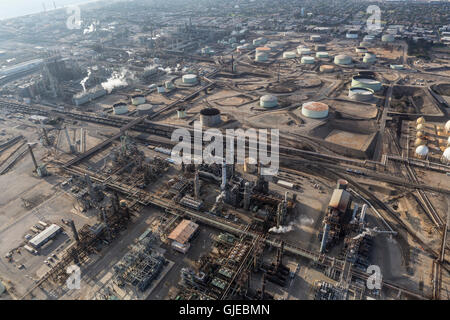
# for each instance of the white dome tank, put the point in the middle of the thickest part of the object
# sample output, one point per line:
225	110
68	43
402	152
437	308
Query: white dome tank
447	126
315	110
446	156
422	151
268	101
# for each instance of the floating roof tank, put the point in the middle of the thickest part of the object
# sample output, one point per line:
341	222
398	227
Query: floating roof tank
315	110
268	101
144	109
360	94
138	99
326	68
361	49
447	127
303	51
190	79
320	47
363	82
120	108
210	117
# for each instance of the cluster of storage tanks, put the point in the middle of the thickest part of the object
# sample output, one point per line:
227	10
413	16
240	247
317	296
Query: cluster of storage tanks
423	135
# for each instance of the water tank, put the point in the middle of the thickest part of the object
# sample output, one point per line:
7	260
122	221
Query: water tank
137	99
210	117
308	60
120	108
422	151
322	55
190	79
315	110
363	82
289	55
342	59
360	94
268	101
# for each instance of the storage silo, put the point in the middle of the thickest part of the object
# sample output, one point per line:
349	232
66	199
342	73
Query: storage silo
308	60
315	110
268	101
362	82
360	94
120	108
210	117
342	59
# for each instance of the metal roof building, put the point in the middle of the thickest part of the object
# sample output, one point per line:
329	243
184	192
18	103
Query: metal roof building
183	232
45	235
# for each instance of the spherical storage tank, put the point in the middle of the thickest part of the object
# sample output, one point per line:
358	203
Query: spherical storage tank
361	82
144	109
387	38
261	57
420	120
190	79
120	108
137	99
268	101
289	55
360	94
446	156
322	54
447	126
342	59
369	58
308	60
209	117
422	151
315	110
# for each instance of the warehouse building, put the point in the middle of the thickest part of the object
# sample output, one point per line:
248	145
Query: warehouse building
182	234
46	235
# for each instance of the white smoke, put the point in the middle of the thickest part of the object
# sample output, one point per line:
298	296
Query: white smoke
117	79
89	29
83	82
282	229
306	221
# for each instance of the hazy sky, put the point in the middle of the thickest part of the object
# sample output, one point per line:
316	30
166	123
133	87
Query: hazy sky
14	8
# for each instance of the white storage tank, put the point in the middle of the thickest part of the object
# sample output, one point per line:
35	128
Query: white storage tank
181	113
369	58
447	127
361	82
289	55
320	47
322	55
315	110
351	35
361	49
138	99
315	38
268	101
261	57
446	155
303	51
342	59
120	108
360	94
210	117
422	151
308	60
190	79
326	68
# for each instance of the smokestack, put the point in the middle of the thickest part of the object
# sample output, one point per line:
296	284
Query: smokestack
74	231
196	185
72	150
363	213
89	184
323	244
247	194
32	157
224	176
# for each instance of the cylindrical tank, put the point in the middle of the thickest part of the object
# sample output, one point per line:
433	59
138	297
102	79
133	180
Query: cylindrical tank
190	79
387	38
144	109
289	55
138	99
447	127
422	151
322	54
303	51
169	85
308	60
369	58
342	184
210	117
362	82
268	101
261	57
342	59
315	110
360	94
120	108
351	35
315	38
326	68
320	47
361	49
